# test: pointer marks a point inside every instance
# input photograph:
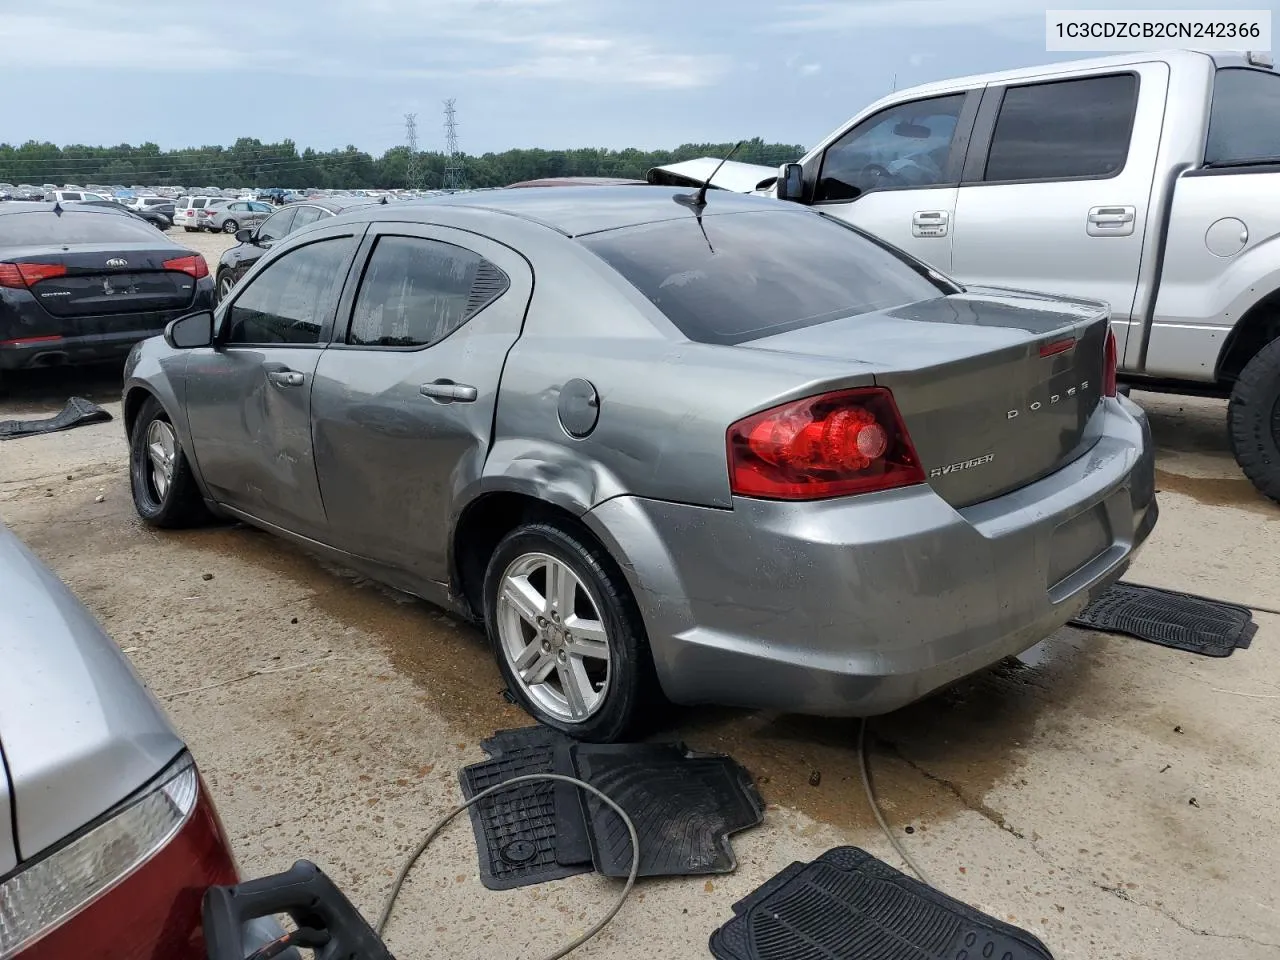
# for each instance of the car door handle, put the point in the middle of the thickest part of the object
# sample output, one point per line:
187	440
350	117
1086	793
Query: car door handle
286	378
1117	221
929	223
446	391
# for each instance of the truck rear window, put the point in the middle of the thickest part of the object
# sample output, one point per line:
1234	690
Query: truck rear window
1244	121
737	277
43	227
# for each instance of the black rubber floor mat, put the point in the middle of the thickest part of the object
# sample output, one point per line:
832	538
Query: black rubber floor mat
516	829
1182	621
77	413
847	905
684	806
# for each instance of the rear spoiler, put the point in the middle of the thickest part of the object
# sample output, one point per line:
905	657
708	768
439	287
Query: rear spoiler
733	176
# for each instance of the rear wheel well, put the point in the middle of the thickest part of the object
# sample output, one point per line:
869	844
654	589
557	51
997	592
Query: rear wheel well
1258	327
133	401
484	523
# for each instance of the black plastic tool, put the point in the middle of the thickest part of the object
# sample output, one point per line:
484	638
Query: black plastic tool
78	412
847	905
332	925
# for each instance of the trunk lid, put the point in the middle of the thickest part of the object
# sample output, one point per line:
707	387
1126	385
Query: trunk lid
997	388
109	278
78	729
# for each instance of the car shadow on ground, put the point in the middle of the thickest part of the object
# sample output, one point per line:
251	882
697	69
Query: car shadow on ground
48	388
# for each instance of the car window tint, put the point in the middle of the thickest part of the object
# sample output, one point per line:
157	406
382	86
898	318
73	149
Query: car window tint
904	146
756	274
72	196
306	215
415	292
1244	121
92	225
277	225
1064	130
287	302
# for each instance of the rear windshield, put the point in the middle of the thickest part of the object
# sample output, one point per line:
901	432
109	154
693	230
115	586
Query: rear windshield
44	227
752	275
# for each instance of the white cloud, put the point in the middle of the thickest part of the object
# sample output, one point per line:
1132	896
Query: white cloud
918	59
809	69
852	14
387	39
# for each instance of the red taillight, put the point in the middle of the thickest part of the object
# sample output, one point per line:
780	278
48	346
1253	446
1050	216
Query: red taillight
1109	364
832	445
152	908
193	265
20	275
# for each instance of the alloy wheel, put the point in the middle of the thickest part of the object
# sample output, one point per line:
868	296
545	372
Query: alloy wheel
162	451
553	637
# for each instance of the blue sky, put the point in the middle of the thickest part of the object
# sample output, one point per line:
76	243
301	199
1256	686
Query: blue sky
525	73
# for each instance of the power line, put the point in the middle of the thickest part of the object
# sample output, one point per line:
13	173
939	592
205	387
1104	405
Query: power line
453	175
411	141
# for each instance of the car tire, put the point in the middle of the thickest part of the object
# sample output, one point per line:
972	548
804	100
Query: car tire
223	286
609	691
1253	420
230	226
189	229
169	498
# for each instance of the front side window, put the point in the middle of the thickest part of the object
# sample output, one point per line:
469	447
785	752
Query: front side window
1244	122
1065	130
277	225
904	146
288	301
415	292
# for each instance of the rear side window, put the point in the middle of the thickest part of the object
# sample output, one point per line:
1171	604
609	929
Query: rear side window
288	301
1066	130
757	274
1244	121
415	292
42	227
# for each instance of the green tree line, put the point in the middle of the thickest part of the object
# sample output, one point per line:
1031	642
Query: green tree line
252	163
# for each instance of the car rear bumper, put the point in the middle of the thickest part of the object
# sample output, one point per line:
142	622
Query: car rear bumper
857	606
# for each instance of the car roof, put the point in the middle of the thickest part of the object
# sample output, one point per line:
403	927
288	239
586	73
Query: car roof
575	211
93	207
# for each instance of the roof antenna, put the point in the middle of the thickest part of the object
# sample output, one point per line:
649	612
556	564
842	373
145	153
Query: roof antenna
699	199
57	208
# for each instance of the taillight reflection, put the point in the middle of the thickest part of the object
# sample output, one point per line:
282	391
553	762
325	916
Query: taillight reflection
835	444
1110	362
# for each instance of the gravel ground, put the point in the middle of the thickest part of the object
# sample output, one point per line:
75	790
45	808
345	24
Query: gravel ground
1113	797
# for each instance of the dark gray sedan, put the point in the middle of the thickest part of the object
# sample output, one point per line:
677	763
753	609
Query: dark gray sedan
723	448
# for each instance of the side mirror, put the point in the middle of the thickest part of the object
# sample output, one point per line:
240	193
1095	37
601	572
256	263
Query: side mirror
244	235
791	182
193	330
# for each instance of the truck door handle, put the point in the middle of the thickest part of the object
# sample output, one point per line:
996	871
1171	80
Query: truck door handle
1111	221
286	378
929	223
446	391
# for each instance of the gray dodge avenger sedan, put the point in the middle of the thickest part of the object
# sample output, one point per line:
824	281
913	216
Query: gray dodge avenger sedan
719	447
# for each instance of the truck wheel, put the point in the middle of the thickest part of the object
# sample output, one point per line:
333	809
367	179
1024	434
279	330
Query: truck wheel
1253	420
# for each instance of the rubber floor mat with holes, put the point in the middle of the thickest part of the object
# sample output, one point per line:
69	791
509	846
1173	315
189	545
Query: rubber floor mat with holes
78	412
1182	621
516	835
684	806
847	905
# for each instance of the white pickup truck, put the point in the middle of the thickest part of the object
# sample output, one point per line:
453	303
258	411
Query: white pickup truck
1149	181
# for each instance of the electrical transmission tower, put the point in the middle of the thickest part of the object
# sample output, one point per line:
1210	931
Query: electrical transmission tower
453	175
411	141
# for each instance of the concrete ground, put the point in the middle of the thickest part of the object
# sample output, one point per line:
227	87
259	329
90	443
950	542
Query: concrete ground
1113	797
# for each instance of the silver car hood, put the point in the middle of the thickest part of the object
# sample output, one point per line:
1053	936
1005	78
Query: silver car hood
733	176
79	731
